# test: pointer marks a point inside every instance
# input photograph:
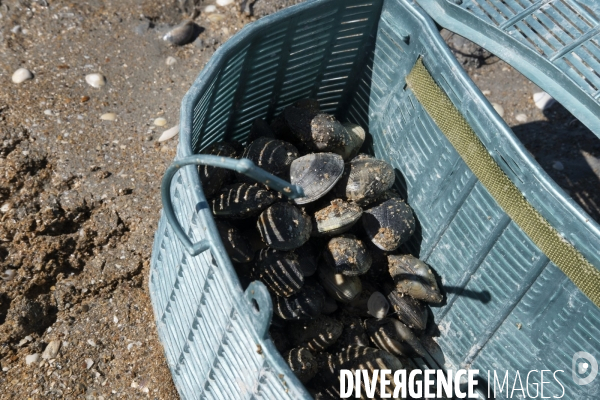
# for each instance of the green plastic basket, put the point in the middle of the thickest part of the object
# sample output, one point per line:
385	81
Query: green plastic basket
354	56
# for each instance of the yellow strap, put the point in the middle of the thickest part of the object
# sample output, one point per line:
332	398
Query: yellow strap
452	123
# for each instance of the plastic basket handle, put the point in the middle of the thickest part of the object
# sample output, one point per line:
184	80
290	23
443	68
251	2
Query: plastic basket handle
243	166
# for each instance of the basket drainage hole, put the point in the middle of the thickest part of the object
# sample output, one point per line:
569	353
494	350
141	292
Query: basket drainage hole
255	305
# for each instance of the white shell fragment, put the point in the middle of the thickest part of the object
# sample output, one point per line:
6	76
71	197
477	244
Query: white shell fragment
32	358
543	100
169	133
521	118
88	363
51	350
160	122
210	9
21	75
95	80
8	275
499	109
224	3
108	117
378	305
171	61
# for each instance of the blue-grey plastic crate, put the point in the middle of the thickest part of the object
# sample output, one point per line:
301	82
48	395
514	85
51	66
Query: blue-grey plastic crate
555	43
354	56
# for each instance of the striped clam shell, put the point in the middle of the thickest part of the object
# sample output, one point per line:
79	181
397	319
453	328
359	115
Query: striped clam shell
305	304
279	271
302	363
394	337
315	334
213	178
342	288
272	155
284	226
241	200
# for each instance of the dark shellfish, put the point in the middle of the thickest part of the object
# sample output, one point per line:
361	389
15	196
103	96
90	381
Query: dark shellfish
410	311
307	259
353	334
241	200
284	227
317	174
357	358
393	336
327	134
389	224
305	304
342	288
213	178
358	306
236	244
414	278
260	128
347	255
364	179
272	155
336	218
315	334
356	137
279	271
302	363
183	33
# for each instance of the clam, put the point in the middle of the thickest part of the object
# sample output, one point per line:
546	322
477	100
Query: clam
336	218
353	334
356	137
279	271
307	259
302	363
327	134
362	358
272	155
347	255
315	334
393	336
410	311
294	122
183	33
236	244
414	278
329	306
317	174
213	178
340	287
283	226
389	224
279	338
364	179
305	304
241	200
260	128
359	305
377	305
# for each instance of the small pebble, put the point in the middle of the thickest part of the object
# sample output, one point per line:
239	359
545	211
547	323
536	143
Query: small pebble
5	207
224	3
486	92
108	117
521	118
169	133
48	112
16	29
557	165
51	350
115	319
32	358
88	363
543	100
210	9
95	80
160	121
91	342
8	275
21	75
171	61
84	98
499	109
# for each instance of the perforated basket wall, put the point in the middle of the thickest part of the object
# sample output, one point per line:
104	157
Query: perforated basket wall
354	57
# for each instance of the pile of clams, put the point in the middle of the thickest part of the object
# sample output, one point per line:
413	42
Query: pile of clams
344	295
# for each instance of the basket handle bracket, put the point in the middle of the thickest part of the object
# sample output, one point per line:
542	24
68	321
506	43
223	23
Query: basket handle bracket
261	307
